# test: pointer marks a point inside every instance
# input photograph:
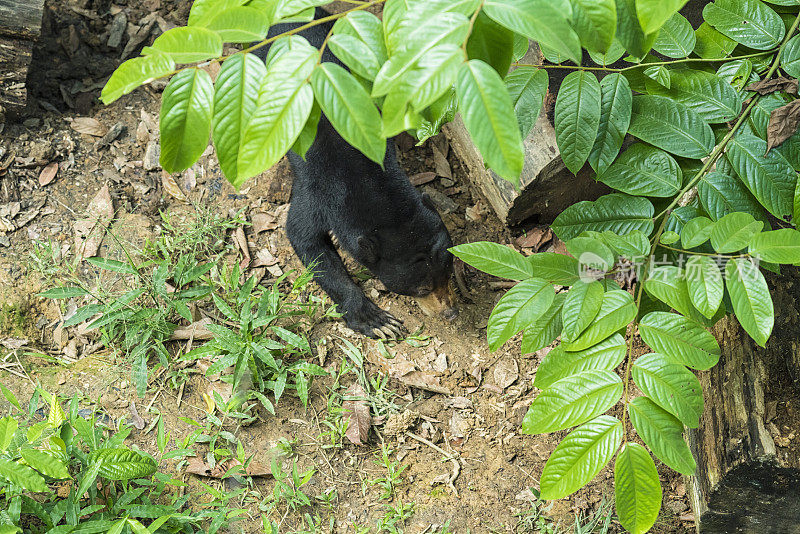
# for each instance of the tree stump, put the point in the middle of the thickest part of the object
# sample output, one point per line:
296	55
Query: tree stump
748	444
20	23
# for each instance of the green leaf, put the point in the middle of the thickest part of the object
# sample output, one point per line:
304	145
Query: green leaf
637	489
580	456
750	298
284	103
136	72
555	268
527	87
577	118
796	205
629	30
711	44
615	117
580	308
618	213
591	253
188	44
617	310
286	8
355	54
22	476
185	123
367	28
668	284
122	464
432	76
558	363
452	29
738	73
240	24
733	232
669	237
653	14
749	22
696	232
676	39
759	116
770	178
595	22
519	307
491	43
112	265
662	432
704	282
308	133
777	246
645	171
45	463
487	113
671	126
545	328
612	56
203	10
790	57
572	400
235	102
8	426
495	259
659	74
634	245
544	21
350	109
708	95
721	194
407	21
63	292
680	339
670	385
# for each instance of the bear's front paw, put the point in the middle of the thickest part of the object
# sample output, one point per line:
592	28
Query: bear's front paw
372	321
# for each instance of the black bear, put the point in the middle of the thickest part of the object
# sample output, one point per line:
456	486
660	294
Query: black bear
376	215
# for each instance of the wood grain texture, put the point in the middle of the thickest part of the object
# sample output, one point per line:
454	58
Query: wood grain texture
20	25
748	456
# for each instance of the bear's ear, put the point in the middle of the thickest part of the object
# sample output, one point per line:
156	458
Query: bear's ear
368	249
428	202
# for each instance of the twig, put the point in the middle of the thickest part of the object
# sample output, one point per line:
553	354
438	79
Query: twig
453	458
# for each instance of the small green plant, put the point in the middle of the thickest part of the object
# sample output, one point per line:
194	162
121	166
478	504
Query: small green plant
68	472
395	517
394	472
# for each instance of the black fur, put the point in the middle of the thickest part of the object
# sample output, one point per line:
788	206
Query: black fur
376	214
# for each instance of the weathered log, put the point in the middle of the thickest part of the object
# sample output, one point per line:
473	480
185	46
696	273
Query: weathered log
748	444
20	24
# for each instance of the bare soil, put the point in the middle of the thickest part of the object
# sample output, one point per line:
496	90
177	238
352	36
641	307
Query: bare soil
478	422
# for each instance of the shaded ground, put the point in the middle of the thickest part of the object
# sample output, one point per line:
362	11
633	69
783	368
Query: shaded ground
477	422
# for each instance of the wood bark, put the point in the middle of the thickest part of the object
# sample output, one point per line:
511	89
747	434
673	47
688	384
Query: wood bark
748	444
20	24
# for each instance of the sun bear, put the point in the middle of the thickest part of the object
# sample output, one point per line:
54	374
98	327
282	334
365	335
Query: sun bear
376	215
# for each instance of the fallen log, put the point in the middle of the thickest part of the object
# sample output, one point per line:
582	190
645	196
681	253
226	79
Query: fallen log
748	444
20	24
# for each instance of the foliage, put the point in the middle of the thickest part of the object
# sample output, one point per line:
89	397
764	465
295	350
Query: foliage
702	187
68	473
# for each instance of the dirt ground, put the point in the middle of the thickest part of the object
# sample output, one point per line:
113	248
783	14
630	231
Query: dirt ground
477	421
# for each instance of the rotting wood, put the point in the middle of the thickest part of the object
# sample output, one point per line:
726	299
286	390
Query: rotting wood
748	444
20	24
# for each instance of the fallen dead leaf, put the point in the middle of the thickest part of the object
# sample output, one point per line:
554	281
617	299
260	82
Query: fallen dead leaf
506	372
89	232
13	343
459	403
782	83
406	372
172	188
422	178
48	174
535	238
136	419
356	411
88	126
196	330
783	123
263	221
441	164
240	240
